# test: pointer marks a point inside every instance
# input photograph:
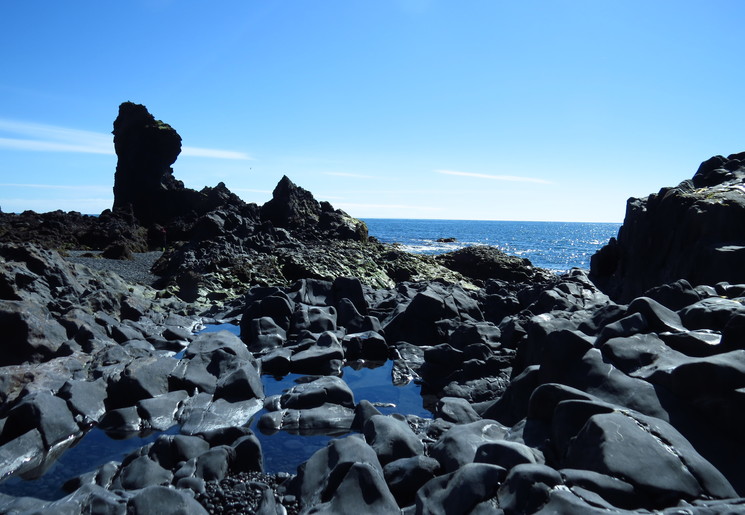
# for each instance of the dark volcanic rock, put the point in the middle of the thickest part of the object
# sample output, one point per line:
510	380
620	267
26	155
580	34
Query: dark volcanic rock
693	231
460	491
295	208
44	411
144	181
482	262
28	333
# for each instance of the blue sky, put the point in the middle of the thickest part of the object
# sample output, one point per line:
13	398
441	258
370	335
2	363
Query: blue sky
393	109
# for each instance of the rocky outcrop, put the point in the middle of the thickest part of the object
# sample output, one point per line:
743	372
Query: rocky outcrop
144	183
71	230
295	209
482	262
215	245
694	231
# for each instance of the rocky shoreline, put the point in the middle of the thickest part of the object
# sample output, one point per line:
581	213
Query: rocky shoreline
615	392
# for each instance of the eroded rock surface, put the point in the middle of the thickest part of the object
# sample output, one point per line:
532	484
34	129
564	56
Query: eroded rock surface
693	231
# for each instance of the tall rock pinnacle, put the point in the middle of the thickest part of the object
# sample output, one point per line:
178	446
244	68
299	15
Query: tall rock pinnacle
146	148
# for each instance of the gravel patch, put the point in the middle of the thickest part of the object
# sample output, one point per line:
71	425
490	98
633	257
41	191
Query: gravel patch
242	492
136	270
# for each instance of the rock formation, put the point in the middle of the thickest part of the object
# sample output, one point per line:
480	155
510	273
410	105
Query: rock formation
295	209
144	183
694	231
216	243
483	262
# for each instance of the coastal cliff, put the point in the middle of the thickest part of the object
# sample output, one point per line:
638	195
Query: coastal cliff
694	232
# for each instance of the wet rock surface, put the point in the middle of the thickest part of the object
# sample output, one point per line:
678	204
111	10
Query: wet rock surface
546	394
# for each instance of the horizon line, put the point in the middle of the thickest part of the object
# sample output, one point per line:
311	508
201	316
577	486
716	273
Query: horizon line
363	218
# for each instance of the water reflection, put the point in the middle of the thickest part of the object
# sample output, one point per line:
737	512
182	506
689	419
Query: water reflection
89	452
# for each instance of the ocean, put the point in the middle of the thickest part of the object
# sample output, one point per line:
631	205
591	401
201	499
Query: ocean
556	246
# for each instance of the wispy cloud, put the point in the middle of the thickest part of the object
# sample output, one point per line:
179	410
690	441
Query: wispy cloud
508	178
86	187
346	205
345	174
51	138
215	153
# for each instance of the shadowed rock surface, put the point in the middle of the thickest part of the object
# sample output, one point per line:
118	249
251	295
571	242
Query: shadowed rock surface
694	231
483	262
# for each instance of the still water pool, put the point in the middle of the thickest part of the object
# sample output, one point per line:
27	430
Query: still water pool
283	451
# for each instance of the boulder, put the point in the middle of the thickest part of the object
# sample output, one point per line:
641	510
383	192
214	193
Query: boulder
30	333
368	345
161	412
457	410
406	475
649	454
213	465
458	446
482	262
142	472
85	398
45	412
360	488
318	359
460	491
527	487
418	323
217	414
161	500
242	384
507	454
141	379
328	389
169	450
22	453
317	478
121	421
711	313
248	454
615	491
391	439
327	419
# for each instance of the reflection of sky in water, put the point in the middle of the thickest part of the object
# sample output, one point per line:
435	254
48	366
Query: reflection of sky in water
90	452
283	451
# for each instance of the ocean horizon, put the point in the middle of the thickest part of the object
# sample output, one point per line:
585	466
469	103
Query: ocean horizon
555	246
